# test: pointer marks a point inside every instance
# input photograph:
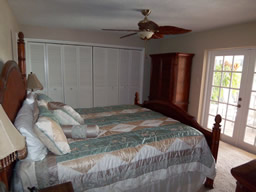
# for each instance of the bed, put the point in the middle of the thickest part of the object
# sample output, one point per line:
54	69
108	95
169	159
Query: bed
152	146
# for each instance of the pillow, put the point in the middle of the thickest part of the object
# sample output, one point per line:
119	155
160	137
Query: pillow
51	134
63	118
35	112
31	97
80	131
44	112
68	109
24	123
41	96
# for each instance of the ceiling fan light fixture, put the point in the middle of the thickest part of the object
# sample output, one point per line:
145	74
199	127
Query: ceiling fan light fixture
145	35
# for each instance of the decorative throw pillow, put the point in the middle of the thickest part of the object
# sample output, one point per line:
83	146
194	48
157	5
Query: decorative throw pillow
80	131
68	109
44	112
51	134
64	118
41	96
24	123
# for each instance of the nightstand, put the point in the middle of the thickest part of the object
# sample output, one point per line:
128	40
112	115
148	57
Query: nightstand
245	175
64	187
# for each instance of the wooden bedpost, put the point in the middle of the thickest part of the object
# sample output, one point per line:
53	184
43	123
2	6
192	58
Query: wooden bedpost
22	56
136	99
214	146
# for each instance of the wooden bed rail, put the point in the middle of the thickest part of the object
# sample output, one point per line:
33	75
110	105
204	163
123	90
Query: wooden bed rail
212	137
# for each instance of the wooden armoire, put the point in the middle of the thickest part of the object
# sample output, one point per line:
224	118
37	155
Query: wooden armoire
170	78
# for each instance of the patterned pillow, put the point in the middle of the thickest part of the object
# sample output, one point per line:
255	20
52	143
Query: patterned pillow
51	134
64	118
68	109
41	96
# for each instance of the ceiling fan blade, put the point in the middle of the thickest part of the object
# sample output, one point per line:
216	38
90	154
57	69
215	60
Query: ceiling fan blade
131	30
157	36
171	30
131	34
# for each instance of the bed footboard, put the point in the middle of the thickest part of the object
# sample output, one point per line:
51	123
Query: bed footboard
212	137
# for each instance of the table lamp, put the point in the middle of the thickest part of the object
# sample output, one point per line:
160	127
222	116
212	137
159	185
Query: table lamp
33	83
12	145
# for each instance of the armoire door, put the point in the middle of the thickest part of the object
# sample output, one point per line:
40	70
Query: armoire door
105	63
70	65
54	72
36	63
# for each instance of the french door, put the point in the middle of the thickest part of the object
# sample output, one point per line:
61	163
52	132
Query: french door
231	92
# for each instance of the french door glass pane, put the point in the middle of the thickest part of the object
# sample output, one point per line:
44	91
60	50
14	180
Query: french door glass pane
251	119
224	92
236	80
233	97
215	93
250	136
226	77
253	100
216	78
210	122
228	63
238	63
231	114
229	128
213	108
218	63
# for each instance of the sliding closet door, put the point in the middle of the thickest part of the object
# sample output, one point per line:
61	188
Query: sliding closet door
135	75
70	63
36	63
85	77
54	71
124	65
105	62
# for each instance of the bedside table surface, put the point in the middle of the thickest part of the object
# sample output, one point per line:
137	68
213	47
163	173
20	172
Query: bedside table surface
64	187
246	174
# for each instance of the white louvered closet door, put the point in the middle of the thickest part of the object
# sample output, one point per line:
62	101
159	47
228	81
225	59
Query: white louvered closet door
54	68
85	77
70	55
135	75
105	62
124	63
36	63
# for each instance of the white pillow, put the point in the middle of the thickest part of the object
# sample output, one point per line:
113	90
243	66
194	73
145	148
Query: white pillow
30	98
24	123
51	134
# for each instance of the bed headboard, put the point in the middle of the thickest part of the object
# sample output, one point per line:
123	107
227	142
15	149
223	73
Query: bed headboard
12	89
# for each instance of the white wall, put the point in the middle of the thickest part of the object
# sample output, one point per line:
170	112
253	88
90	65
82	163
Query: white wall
8	29
100	37
242	35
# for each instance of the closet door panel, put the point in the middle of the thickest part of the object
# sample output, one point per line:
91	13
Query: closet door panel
124	63
36	63
135	68
105	62
54	69
100	96
70	75
85	77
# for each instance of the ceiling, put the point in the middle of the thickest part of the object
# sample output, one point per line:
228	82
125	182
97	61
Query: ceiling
197	15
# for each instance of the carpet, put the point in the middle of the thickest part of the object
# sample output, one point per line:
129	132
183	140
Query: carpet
228	157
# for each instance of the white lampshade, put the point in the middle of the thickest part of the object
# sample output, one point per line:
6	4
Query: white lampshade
10	138
33	83
145	34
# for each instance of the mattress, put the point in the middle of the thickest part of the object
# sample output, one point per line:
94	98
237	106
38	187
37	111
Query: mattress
136	147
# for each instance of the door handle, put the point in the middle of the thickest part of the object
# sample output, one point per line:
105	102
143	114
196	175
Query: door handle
238	106
240	99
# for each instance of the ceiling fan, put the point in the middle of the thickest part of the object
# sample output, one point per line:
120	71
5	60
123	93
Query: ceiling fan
150	30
